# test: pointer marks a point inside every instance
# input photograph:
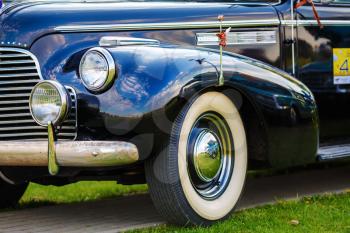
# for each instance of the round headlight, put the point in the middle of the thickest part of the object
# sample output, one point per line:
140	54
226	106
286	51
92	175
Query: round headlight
97	69
49	102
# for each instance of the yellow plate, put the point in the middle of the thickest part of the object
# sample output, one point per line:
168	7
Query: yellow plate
341	66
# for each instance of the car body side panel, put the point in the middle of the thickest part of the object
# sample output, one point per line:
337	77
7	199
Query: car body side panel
151	79
315	61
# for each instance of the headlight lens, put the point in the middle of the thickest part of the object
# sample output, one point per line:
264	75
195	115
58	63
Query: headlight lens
97	69
49	102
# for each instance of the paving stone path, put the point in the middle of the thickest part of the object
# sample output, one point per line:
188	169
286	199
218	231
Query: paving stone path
133	212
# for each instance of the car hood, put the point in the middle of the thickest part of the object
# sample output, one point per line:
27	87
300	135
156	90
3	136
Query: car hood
25	22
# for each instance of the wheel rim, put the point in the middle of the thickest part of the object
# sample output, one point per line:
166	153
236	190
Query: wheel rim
210	155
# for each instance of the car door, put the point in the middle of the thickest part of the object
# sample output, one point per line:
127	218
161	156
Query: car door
323	57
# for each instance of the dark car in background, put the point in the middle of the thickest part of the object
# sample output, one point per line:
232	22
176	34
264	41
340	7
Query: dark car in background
184	95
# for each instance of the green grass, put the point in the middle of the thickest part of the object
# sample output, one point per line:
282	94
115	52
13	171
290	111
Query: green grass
321	214
38	195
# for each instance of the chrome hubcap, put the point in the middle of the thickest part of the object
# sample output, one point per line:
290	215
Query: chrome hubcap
207	155
210	155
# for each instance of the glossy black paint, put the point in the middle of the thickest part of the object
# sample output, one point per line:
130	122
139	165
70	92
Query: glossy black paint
315	68
153	83
30	22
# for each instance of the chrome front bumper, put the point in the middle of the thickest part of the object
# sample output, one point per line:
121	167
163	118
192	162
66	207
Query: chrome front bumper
68	153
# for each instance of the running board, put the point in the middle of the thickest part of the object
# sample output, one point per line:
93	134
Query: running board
333	152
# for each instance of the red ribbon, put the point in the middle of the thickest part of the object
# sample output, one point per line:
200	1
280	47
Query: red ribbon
222	38
317	17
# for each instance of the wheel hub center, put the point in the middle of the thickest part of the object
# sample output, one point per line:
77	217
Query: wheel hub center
207	155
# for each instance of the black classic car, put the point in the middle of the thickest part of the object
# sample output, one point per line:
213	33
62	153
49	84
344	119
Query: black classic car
184	95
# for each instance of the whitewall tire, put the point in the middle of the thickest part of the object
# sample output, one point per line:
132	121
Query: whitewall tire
199	173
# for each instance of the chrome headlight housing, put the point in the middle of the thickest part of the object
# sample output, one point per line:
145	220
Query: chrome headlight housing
97	69
49	102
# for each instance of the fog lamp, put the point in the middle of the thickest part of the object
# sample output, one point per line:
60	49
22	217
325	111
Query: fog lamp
49	102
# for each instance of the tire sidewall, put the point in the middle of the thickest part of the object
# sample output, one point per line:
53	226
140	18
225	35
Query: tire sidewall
219	208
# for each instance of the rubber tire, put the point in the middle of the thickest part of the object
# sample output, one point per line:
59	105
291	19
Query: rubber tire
169	187
11	194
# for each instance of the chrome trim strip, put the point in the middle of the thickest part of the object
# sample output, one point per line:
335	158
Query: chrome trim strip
18	68
239	38
44	133
5	49
6	179
17	121
17	75
6	109
14	95
194	25
173	25
69	153
13	55
112	41
19	81
293	37
15	89
17	62
19	2
30	127
314	22
74	110
15	115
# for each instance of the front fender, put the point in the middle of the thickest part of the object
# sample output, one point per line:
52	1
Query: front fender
152	80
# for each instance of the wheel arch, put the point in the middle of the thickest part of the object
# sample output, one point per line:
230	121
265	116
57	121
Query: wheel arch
254	124
253	120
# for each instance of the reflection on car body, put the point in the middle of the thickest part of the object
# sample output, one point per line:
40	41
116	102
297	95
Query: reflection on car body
142	92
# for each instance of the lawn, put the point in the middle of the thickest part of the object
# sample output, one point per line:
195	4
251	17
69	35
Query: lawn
321	214
37	195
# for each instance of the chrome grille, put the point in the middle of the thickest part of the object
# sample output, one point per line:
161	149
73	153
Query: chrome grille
19	73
